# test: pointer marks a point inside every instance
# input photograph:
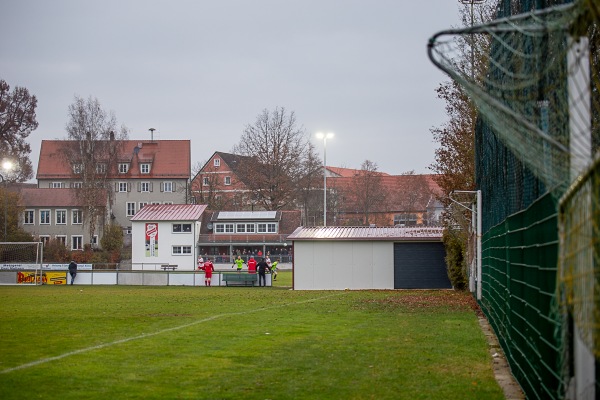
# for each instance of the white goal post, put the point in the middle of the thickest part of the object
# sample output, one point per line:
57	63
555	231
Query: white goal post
21	263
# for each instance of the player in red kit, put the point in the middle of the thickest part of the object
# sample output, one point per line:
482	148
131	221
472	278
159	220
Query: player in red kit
251	265
208	268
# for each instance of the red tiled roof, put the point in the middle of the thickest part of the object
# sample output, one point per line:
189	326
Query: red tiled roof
49	197
349	172
397	187
170	212
169	158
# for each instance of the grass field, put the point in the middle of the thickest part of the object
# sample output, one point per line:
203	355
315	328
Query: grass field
124	342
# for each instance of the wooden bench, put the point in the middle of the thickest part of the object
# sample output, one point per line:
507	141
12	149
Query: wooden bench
242	279
168	267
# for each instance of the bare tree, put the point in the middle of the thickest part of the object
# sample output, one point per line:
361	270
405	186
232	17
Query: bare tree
276	151
310	192
411	197
17	121
92	151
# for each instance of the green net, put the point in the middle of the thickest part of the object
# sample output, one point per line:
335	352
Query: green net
534	79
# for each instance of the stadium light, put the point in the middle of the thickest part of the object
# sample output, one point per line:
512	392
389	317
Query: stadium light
6	166
324	136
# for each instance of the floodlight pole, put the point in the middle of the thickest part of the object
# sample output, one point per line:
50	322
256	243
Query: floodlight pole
324	136
3	182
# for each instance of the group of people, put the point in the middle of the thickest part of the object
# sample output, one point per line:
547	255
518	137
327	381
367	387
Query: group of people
253	267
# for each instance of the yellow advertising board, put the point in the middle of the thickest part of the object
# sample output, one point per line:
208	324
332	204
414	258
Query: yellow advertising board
48	278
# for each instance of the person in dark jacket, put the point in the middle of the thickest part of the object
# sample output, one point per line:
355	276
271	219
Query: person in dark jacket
262	267
73	270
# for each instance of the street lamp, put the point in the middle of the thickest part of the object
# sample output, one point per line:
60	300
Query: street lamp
6	166
472	3
324	136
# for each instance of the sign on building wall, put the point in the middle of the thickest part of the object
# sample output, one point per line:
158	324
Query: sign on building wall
151	239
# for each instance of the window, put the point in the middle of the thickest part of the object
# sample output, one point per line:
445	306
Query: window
245	228
122	187
155	202
266	228
61	217
144	186
217	162
77	242
167	202
145	168
142	204
77	168
44	217
123	168
76	185
62	239
224	228
44	239
95	240
130	209
181	250
76	217
228	180
167	186
182	228
205	181
29	217
101	168
58	185
128	230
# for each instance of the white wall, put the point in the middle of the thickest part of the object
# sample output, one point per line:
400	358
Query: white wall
166	240
337	265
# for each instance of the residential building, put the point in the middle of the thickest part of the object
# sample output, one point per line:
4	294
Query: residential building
391	200
56	214
143	172
220	185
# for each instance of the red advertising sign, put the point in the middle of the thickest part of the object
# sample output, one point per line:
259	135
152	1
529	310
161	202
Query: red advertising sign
151	239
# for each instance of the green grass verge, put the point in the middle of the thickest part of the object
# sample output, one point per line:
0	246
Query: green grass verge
99	342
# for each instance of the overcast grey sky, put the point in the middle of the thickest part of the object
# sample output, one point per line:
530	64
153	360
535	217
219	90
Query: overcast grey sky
203	70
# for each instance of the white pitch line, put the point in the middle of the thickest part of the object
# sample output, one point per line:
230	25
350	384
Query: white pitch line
146	335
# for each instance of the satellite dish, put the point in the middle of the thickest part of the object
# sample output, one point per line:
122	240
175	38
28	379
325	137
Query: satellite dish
209	226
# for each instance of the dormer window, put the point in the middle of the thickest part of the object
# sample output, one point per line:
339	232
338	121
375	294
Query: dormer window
145	168
217	162
123	168
77	168
101	168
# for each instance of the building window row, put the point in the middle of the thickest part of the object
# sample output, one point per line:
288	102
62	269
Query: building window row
254	227
182	228
45	217
76	240
123	168
145	187
206	181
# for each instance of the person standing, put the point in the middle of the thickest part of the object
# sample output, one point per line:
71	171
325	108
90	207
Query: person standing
251	265
239	262
200	262
262	270
208	268
73	270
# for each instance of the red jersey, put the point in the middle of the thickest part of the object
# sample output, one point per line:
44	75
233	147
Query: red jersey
208	268
252	266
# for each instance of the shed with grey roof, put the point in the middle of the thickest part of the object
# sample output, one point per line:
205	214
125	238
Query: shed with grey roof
337	258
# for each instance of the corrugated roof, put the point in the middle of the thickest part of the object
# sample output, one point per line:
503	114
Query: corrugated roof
365	233
245	215
170	212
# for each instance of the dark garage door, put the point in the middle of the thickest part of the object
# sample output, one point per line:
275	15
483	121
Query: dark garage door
420	266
